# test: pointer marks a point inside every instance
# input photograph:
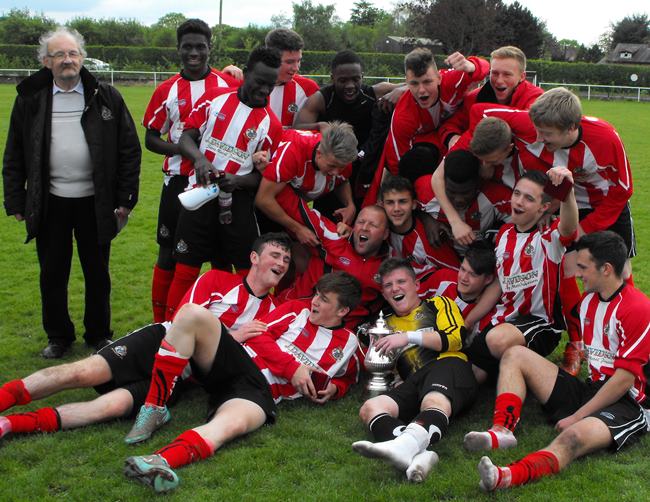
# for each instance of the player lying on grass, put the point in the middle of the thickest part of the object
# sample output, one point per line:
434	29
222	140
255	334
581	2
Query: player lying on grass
610	408
438	379
305	346
121	371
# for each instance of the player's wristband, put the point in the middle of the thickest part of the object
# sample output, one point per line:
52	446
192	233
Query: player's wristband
414	337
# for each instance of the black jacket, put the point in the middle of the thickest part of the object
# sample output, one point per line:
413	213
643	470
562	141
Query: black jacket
112	140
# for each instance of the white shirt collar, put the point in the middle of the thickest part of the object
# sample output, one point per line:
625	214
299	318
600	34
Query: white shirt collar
77	88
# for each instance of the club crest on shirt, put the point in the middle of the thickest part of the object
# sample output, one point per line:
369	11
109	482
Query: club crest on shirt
587	321
120	351
292	108
164	231
235	308
376	278
182	102
251	133
476	216
181	246
337	353
220	116
345	260
606	330
418	315
106	114
529	250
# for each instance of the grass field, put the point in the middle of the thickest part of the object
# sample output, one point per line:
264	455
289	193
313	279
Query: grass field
306	455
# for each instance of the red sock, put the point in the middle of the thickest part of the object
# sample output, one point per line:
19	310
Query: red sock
160	283
533	466
184	277
507	409
13	393
570	296
187	448
43	420
167	367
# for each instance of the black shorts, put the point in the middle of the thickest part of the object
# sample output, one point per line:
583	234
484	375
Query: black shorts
451	376
169	209
131	360
541	337
200	238
623	226
625	419
234	375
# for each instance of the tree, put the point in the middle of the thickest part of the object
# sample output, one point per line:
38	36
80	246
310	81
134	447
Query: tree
317	25
516	25
591	54
461	25
170	20
19	26
631	30
365	14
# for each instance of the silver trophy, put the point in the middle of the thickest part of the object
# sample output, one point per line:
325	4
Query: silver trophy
380	366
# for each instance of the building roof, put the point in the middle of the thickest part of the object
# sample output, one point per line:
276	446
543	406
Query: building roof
628	54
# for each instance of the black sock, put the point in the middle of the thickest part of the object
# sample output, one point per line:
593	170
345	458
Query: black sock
384	427
434	421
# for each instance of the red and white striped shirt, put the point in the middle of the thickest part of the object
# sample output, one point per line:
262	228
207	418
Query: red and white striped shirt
228	297
601	170
616	335
170	105
292	339
232	131
412	123
414	246
294	162
528	268
287	99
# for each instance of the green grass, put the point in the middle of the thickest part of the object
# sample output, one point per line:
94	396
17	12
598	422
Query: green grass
306	455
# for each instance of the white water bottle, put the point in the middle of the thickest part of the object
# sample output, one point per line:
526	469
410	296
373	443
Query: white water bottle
225	208
196	197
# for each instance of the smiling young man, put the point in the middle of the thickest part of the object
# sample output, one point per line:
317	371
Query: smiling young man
246	381
358	251
408	238
349	100
507	86
168	109
225	133
610	409
291	90
438	379
121	371
313	165
528	261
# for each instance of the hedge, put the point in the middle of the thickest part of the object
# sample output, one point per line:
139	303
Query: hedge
317	62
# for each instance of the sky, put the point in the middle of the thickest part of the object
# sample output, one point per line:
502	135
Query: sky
584	21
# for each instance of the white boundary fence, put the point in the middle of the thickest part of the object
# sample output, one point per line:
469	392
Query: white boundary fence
589	91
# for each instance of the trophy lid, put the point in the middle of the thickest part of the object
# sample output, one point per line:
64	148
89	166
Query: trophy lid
380	328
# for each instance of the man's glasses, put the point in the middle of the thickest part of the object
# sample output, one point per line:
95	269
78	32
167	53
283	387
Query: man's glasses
64	54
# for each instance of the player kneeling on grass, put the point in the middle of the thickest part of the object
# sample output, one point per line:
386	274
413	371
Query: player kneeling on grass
438	379
304	347
610	409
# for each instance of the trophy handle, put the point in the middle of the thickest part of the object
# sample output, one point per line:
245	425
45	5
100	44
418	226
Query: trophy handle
360	347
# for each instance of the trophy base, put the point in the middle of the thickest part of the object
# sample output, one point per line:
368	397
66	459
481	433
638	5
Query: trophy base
378	385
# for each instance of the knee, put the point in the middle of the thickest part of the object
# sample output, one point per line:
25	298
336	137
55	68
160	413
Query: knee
370	409
499	341
119	405
191	314
235	427
514	355
572	440
436	400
